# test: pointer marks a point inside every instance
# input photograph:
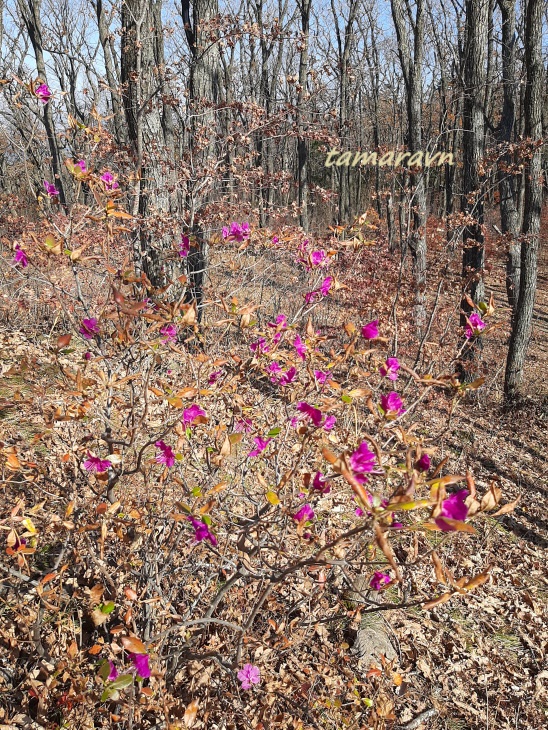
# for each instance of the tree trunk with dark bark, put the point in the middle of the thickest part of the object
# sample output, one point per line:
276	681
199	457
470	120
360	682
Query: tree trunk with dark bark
523	319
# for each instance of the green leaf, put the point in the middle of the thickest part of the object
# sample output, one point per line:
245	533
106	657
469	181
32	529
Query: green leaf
273	498
273	432
346	398
104	670
107	607
196	491
207	520
124	680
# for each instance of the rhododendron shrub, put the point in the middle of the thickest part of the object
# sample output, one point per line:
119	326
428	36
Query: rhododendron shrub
207	468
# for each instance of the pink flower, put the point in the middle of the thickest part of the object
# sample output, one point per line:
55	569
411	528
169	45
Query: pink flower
95	464
202	531
392	404
305	514
281	322
299	345
244	425
51	190
329	423
475	327
169	332
452	508
184	246
304	245
288	377
87	355
259	346
113	672
318	258
423	464
43	92
314	414
108	178
249	675
321	376
390	368
89	328
191	414
214	377
140	662
166	455
260	445
362	462
310	297
82	165
359	512
236	232
371	331
326	286
275	240
379	580
20	257
321	484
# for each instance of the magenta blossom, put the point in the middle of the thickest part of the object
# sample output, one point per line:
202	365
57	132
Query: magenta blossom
184	246
89	328
82	165
191	414
390	368
475	327
305	514
423	464
169	332
113	672
260	445
321	376
326	286
329	423
43	92
259	346
87	355
275	240
20	257
300	347
314	414
320	483
140	662
214	376
244	425
310	297
249	675
51	190
285	378
379	580
392	404
452	508
108	178
318	258
362	462
95	464
281	321
166	455
202	531
236	232
371	331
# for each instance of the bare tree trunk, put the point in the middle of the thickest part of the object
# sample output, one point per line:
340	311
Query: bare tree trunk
142	69
473	256
302	142
412	74
509	217
523	319
30	11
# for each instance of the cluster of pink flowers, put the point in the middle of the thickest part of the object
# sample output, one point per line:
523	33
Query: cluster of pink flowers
191	414
202	531
390	368
50	188
392	404
316	416
20	257
249	675
95	464
166	455
236	232
300	347
260	446
169	332
279	376
476	325
43	92
323	291
89	328
259	346
108	179
362	462
243	425
184	246
320	483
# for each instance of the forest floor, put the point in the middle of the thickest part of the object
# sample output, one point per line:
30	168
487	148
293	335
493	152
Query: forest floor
479	661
